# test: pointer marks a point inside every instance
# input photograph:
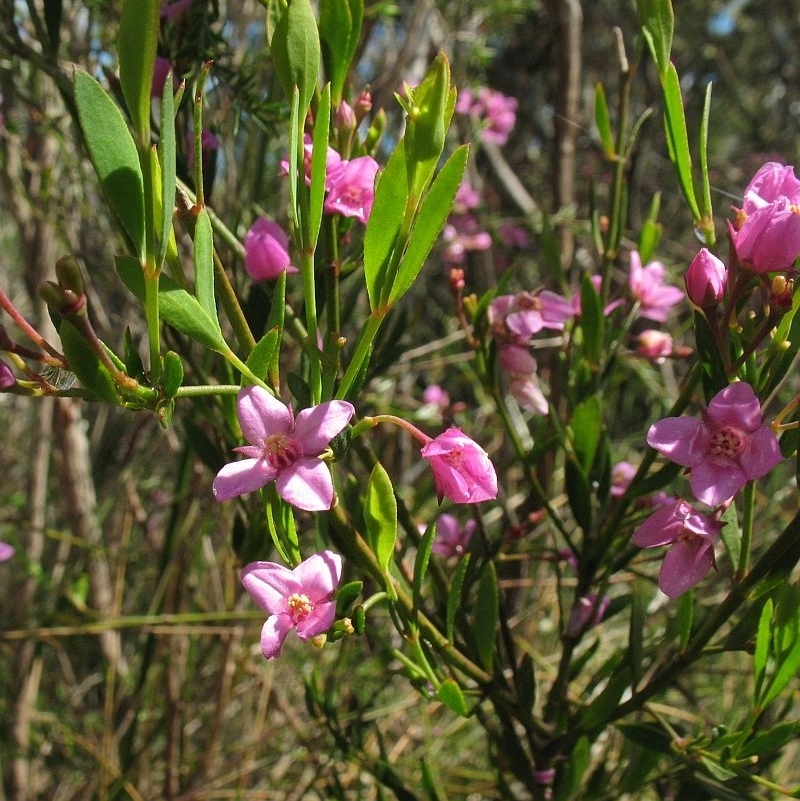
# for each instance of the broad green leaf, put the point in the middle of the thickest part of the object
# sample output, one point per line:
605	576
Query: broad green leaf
450	694
177	307
84	362
295	50
487	616
430	220
114	156
319	157
787	664
384	223
658	22
602	119
262	355
204	265
340	24
763	641
421	563
678	138
454	596
380	515
166	161
769	742
138	33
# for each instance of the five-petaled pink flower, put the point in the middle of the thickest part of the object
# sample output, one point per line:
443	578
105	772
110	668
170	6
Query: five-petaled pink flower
462	470
351	188
691	536
284	450
266	251
518	317
452	539
766	231
647	286
300	599
727	447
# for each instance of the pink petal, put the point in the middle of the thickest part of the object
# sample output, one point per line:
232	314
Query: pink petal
685	564
261	414
6	551
714	483
319	575
307	484
270	584
762	455
317	426
273	634
681	439
661	528
318	622
736	405
239	478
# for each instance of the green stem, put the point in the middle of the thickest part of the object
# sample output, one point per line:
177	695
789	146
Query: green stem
362	352
748	518
207	389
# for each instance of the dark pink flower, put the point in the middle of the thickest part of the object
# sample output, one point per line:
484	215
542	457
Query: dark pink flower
691	536
724	449
766	232
452	539
706	280
283	450
300	599
266	251
588	611
462	470
648	287
518	317
351	188
7	378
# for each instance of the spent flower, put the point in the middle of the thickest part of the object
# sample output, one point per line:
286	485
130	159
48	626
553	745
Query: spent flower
452	539
284	449
462	470
299	599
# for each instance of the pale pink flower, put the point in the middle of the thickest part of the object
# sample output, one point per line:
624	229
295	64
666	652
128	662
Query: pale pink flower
462	470
691	536
452	539
351	188
463	235
6	551
518	317
521	368
724	449
284	450
467	198
588	611
621	476
654	345
300	599
706	280
436	396
766	231
266	251
494	110
648	287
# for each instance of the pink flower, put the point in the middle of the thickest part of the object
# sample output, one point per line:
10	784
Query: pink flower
283	450
706	280
462	470
467	198
6	551
6	376
436	396
300	599
654	345
452	539
497	111
588	611
161	69
621	476
691	536
766	233
729	446
332	160
351	188
521	368
647	286
518	317
266	251
462	235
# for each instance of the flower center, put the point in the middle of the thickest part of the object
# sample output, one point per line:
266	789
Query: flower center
727	442
300	607
454	457
281	451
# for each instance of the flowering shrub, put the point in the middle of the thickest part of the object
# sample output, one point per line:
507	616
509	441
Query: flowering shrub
531	565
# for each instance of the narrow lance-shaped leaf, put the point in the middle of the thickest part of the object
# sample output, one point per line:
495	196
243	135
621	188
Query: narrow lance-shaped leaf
421	563
84	362
761	653
602	119
167	162
138	33
295	51
114	156
380	515
339	30
204	265
658	22
454	599
487	616
319	153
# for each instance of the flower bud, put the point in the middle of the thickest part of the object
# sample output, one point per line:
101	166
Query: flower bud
706	280
69	274
345	119
64	301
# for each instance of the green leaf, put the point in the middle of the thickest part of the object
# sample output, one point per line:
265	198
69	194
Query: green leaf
592	321
295	51
769	742
421	563
571	774
204	265
684	619
172	376
177	307
602	119
587	426
579	493
380	515
430	220
678	138
601	708
84	362
167	163
346	596
262	355
526	684
763	641
650	235
658	22
450	694
136	43
707	219
714	376
319	157
114	156
731	535
454	596
487	616
340	24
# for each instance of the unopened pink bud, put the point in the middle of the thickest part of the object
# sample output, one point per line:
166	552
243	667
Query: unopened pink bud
706	280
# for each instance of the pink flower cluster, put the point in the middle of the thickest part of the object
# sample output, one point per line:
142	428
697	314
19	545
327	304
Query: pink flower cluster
496	112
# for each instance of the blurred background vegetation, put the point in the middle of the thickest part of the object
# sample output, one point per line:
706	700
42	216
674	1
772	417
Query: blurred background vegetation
129	662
